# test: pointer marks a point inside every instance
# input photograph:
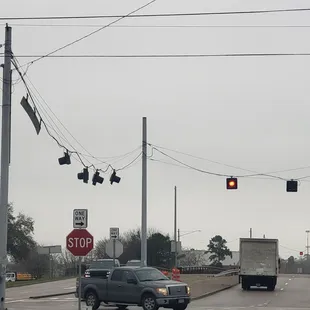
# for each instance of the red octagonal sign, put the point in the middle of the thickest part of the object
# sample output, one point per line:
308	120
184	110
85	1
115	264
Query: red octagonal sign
80	242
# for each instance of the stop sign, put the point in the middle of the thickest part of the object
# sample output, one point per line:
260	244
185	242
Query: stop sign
80	242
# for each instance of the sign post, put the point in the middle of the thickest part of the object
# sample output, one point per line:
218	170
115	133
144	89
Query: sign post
80	242
114	235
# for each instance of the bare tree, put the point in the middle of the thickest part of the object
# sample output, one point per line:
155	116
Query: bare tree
192	258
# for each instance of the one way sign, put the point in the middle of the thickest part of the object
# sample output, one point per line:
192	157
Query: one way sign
80	218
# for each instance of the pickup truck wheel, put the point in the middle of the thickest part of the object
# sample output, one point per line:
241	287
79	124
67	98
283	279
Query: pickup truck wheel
149	302
92	300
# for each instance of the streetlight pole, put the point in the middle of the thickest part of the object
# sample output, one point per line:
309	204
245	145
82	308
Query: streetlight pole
175	229
144	195
307	246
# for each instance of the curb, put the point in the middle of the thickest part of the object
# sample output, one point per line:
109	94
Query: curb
213	292
51	295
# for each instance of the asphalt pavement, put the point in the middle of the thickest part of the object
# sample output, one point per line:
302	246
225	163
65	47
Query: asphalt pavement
292	293
26	291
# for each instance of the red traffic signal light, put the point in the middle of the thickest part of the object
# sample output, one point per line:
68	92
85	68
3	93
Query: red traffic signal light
231	183
301	253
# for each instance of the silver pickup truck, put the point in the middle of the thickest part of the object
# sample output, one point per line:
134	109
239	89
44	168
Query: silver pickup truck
143	286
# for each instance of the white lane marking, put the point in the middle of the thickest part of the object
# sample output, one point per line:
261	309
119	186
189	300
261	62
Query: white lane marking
282	289
18	300
286	283
289	279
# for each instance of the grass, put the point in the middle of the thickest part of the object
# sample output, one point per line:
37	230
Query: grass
38	281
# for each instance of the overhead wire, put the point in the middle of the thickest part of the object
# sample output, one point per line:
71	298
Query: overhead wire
132	15
231	166
91	33
198	55
253	175
60	135
157	26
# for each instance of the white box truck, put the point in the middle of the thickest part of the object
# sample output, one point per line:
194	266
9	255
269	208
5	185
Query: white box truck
259	263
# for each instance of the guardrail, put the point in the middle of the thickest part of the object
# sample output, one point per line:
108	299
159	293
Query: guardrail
205	269
227	273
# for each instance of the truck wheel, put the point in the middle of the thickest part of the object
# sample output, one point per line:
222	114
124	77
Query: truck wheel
91	300
149	302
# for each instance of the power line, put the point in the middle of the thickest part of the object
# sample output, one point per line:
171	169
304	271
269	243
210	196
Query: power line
253	174
91	33
236	55
158	26
231	166
132	15
73	151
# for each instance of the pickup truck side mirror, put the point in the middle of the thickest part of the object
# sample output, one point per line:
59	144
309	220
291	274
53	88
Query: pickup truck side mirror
132	281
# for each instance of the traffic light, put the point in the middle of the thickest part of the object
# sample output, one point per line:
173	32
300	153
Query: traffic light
65	160
97	178
114	178
83	175
231	183
292	186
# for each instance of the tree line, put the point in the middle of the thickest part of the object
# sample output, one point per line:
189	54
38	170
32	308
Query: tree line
22	249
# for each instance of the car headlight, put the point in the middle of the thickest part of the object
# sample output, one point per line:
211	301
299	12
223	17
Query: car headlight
188	290
162	291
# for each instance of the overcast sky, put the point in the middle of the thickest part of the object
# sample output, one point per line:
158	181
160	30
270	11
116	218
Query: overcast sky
251	113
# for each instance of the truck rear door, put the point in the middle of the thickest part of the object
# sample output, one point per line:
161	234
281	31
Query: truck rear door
258	258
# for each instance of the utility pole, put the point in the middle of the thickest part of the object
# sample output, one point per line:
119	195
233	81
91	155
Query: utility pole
5	160
250	232
179	235
307	246
175	229
144	195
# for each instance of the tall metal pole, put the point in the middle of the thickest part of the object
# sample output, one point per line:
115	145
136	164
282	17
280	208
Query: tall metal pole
175	229
144	195
5	160
250	232
80	283
307	247
114	252
179	235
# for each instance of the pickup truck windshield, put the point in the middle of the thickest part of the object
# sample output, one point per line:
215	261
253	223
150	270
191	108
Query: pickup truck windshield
150	275
103	264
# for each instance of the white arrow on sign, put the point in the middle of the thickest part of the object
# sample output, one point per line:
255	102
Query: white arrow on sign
80	218
118	248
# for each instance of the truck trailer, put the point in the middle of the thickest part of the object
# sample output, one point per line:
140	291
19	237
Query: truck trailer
259	263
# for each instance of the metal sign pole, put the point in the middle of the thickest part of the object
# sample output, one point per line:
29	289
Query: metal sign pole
114	252
80	282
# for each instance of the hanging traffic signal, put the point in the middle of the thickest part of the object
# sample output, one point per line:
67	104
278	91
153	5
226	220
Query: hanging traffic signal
65	160
83	175
97	178
114	178
292	186
231	183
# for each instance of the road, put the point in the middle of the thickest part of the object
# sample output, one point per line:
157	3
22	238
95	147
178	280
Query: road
292	293
26	291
